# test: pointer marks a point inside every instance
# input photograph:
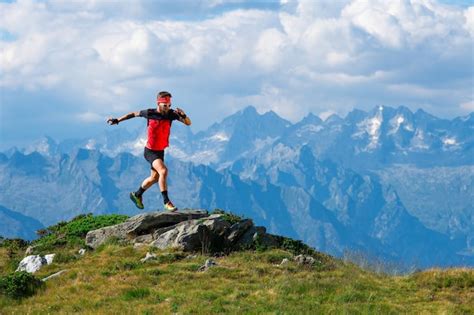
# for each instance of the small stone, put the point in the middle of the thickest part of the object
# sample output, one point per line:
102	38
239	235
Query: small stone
190	256
29	250
285	261
82	251
149	256
305	260
49	258
310	260
208	264
54	275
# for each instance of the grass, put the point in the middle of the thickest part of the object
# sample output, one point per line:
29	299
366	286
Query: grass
114	280
71	234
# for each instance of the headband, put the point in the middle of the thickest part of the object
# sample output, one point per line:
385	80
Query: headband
164	99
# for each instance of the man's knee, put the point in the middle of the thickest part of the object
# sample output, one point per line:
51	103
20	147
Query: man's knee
160	168
163	171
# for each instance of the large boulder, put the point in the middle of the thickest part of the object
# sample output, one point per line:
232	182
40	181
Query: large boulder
139	225
195	231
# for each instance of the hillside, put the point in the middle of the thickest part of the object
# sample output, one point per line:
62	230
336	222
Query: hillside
112	279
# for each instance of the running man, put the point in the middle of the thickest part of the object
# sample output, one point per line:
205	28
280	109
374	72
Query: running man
159	125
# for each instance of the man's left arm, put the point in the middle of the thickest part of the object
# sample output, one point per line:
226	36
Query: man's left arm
182	117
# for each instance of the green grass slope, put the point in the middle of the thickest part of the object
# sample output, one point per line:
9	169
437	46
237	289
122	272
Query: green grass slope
112	280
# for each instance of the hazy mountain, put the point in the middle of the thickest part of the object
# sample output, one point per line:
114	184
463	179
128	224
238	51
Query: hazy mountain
332	208
17	225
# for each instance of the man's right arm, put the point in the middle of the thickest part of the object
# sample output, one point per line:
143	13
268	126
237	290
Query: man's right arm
115	121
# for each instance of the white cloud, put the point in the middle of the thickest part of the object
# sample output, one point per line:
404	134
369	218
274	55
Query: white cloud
89	117
269	50
326	114
469	25
467	106
373	18
320	56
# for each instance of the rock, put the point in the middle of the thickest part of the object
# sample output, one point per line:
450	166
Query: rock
146	222
97	237
285	261
143	239
305	260
267	240
238	229
139	225
54	275
34	263
29	250
208	264
194	231
149	256
196	235
190	257
49	258
82	251
250	236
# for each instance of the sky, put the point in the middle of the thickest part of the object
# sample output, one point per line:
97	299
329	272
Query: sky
65	66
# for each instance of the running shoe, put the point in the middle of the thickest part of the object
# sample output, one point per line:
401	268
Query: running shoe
136	200
169	206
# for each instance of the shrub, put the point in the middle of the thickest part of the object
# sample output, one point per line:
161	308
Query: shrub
295	246
72	233
16	243
228	216
14	246
19	285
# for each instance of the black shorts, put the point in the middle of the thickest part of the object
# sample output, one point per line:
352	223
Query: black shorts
151	155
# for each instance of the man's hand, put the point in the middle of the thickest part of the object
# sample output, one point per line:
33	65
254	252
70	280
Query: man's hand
180	112
113	121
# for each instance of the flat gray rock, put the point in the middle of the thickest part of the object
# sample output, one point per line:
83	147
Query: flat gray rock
142	224
146	222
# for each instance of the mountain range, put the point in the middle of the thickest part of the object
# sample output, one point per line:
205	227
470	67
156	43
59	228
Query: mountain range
388	182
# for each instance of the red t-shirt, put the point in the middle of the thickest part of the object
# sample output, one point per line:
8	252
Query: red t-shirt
159	126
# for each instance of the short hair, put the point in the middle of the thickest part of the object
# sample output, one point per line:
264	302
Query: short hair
164	94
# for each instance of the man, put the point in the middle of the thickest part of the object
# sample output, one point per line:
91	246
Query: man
159	124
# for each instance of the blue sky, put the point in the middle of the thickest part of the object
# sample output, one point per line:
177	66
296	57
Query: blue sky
67	65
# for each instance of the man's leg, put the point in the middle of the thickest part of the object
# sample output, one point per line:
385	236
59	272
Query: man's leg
147	183
162	170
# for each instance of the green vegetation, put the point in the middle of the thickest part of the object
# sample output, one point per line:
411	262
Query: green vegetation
71	234
113	280
18	285
228	216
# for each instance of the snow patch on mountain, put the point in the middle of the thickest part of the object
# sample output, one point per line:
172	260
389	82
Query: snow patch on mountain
91	144
418	141
306	129
371	127
397	122
220	137
450	144
259	144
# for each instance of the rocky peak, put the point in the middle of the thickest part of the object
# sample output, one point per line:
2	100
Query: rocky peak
190	230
